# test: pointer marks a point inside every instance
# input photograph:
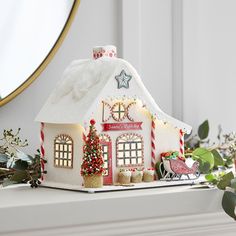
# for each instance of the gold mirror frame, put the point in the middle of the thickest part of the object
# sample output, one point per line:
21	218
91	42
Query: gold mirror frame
47	59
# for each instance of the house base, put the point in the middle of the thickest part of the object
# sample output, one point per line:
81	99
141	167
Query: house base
133	186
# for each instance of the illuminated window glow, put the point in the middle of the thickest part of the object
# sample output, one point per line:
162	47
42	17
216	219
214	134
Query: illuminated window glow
63	151
129	150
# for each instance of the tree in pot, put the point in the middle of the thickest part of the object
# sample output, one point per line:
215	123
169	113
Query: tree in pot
92	165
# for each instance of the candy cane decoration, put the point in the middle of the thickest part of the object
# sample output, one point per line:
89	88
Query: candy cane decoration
181	142
153	147
42	150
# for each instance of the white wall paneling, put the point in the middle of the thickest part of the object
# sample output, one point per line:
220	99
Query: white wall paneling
177	58
131	32
209	55
147	44
156	39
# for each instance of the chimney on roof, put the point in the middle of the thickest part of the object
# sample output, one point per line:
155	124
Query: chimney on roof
104	51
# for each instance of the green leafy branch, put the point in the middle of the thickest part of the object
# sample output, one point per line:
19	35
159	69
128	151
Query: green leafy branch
226	182
211	156
214	157
15	165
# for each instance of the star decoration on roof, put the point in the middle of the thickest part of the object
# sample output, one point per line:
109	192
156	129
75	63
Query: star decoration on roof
123	80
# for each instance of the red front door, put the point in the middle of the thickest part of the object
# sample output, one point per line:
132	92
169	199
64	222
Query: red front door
107	156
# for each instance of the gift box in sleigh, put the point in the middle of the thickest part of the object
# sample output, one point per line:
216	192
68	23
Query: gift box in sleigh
174	167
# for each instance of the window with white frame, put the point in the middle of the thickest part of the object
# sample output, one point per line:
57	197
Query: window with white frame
105	154
63	151
118	111
106	151
129	150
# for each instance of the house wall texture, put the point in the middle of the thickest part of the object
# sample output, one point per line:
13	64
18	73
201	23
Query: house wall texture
57	174
167	137
194	83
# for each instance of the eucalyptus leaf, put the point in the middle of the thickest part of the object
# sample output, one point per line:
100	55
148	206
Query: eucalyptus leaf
225	180
203	130
218	160
3	171
229	203
10	162
228	161
3	158
204	166
20	165
24	157
233	183
210	177
204	155
19	176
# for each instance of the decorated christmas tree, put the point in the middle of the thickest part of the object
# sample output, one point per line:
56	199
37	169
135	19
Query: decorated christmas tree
92	160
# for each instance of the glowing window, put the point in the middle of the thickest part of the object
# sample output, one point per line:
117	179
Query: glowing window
129	150
63	151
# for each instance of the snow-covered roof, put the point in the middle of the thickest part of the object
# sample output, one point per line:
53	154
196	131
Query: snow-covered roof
85	83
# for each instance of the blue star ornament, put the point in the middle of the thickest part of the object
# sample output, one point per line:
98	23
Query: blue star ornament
123	80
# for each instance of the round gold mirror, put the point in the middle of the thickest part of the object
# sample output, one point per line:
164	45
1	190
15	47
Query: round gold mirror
31	33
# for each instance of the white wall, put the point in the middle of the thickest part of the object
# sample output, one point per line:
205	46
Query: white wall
99	23
209	58
147	44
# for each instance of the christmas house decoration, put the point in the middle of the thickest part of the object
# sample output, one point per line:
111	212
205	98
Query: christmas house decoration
133	130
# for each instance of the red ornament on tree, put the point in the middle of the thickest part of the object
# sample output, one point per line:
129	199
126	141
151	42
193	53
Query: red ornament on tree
92	122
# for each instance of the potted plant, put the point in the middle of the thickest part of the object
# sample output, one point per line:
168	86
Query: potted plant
124	176
148	175
136	175
92	165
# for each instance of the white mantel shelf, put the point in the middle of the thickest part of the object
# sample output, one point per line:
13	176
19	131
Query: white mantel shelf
166	211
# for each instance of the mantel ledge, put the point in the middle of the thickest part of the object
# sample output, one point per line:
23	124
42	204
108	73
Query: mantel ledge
181	210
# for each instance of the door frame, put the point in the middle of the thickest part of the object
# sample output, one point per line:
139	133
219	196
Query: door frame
108	180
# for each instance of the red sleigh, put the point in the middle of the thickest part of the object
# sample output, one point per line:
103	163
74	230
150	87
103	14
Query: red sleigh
175	169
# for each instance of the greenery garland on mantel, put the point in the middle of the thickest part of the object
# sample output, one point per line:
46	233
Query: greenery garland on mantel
215	160
16	166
